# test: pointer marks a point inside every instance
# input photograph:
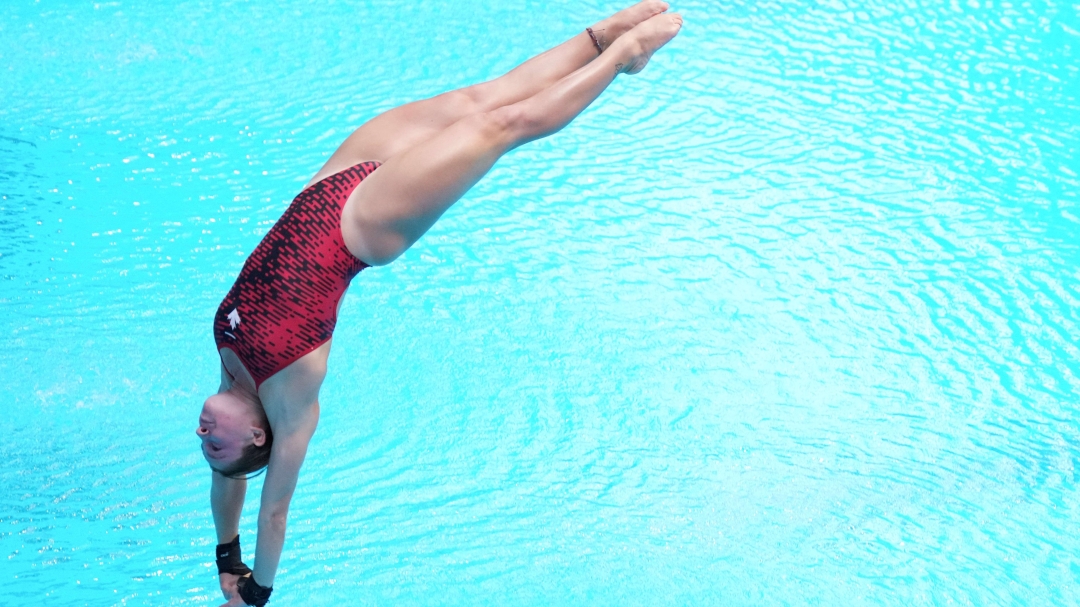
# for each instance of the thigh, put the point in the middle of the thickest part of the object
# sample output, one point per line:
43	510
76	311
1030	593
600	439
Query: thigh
399	129
404	197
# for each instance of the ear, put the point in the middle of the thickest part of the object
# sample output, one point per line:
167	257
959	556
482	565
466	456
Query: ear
259	437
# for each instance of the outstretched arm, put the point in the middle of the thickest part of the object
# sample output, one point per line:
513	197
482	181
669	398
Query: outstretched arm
226	502
226	494
286	458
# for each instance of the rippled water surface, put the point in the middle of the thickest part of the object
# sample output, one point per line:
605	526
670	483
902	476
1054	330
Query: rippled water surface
789	318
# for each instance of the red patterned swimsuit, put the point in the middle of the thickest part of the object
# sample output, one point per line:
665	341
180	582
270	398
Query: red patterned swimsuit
284	303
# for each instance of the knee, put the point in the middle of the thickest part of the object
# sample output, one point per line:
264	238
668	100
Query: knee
510	124
473	99
463	102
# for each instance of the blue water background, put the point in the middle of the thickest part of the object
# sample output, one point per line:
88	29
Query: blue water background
789	318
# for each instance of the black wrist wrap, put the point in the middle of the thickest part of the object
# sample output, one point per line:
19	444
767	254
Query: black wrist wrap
252	592
228	558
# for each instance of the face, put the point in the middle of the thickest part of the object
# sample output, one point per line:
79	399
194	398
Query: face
226	426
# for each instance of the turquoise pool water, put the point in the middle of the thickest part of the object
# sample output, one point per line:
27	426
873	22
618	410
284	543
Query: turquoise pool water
790	318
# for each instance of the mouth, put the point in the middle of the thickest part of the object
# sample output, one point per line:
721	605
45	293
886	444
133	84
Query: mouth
210	453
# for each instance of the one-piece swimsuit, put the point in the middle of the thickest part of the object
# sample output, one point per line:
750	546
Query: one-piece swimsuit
284	303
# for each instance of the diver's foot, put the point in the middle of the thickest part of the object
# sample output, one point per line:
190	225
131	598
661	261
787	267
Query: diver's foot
609	29
639	44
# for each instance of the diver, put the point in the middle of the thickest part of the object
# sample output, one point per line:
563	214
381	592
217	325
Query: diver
378	193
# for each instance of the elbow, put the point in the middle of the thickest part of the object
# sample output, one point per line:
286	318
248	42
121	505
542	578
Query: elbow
274	521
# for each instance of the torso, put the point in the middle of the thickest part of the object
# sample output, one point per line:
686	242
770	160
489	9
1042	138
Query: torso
308	371
276	316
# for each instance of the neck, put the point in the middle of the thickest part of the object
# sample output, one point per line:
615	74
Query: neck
244	395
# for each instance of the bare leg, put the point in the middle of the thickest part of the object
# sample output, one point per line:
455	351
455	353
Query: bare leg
404	127
393	207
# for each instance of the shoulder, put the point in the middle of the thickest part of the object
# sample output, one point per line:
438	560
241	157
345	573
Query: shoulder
291	396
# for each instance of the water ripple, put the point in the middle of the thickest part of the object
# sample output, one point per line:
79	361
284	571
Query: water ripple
790	317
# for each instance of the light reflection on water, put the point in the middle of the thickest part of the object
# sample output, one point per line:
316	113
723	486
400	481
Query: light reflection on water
790	317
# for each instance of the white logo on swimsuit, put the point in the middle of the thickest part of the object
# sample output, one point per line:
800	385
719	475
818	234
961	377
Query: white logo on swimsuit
234	318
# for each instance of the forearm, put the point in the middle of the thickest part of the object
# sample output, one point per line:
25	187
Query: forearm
270	543
226	502
293	434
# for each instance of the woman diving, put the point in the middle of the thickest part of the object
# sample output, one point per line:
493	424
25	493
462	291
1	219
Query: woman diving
378	193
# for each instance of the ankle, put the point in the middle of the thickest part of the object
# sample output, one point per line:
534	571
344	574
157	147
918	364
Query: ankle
596	36
623	50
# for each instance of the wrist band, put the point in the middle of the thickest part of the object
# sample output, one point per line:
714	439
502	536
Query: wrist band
229	560
252	593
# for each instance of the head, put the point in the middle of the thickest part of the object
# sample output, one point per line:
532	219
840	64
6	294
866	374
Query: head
235	434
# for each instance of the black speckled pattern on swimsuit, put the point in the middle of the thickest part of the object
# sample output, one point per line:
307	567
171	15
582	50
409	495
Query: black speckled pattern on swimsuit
284	303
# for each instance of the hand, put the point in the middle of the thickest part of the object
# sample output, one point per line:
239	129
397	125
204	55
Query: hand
229	591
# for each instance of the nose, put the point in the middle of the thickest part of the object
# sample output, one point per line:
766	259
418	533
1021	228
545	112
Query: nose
202	430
